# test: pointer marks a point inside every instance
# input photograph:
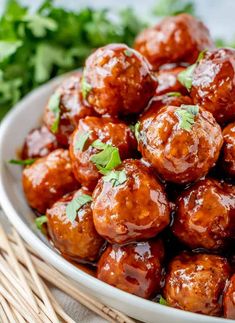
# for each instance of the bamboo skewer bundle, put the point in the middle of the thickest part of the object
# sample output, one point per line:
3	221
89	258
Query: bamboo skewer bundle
24	295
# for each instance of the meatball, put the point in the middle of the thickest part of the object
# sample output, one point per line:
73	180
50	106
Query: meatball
135	268
48	179
77	239
196	282
213	83
228	150
118	81
174	39
168	81
229	299
131	209
205	215
161	101
71	109
182	143
39	143
107	130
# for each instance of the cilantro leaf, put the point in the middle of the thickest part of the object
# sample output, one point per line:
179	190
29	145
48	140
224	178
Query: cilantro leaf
54	107
39	25
85	87
128	52
81	139
74	206
98	144
171	94
40	221
173	7
24	162
137	131
8	48
115	177
107	159
186	77
162	301
186	116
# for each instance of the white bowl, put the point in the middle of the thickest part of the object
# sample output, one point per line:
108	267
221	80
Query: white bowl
25	116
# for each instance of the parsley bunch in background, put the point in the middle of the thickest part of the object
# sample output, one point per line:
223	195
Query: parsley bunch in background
36	47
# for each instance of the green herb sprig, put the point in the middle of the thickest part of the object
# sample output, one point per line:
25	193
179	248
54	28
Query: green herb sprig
107	159
40	221
81	139
54	107
186	77
74	206
162	301
186	115
116	178
22	162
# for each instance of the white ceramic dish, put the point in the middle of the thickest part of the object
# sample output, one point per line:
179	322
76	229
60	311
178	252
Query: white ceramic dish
25	116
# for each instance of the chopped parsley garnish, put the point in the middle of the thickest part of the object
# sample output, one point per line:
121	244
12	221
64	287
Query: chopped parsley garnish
186	116
128	52
115	177
137	131
186	77
162	301
171	94
81	140
74	206
54	107
86	87
23	162
40	221
107	159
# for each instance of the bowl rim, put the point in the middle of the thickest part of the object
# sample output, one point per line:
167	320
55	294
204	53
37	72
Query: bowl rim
56	259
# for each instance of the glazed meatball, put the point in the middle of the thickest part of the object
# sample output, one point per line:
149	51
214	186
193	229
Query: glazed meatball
196	282
135	268
168	81
158	102
182	143
134	209
228	150
174	39
77	239
118	80
205	215
229	299
39	143
107	130
72	109
213	83
48	179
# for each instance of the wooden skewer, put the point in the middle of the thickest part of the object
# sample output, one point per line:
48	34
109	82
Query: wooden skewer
56	305
3	316
16	267
14	303
6	309
18	298
35	277
17	315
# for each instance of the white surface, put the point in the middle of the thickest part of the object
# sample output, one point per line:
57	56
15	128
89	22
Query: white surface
13	130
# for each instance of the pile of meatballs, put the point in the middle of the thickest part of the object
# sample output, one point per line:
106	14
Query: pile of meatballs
140	149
